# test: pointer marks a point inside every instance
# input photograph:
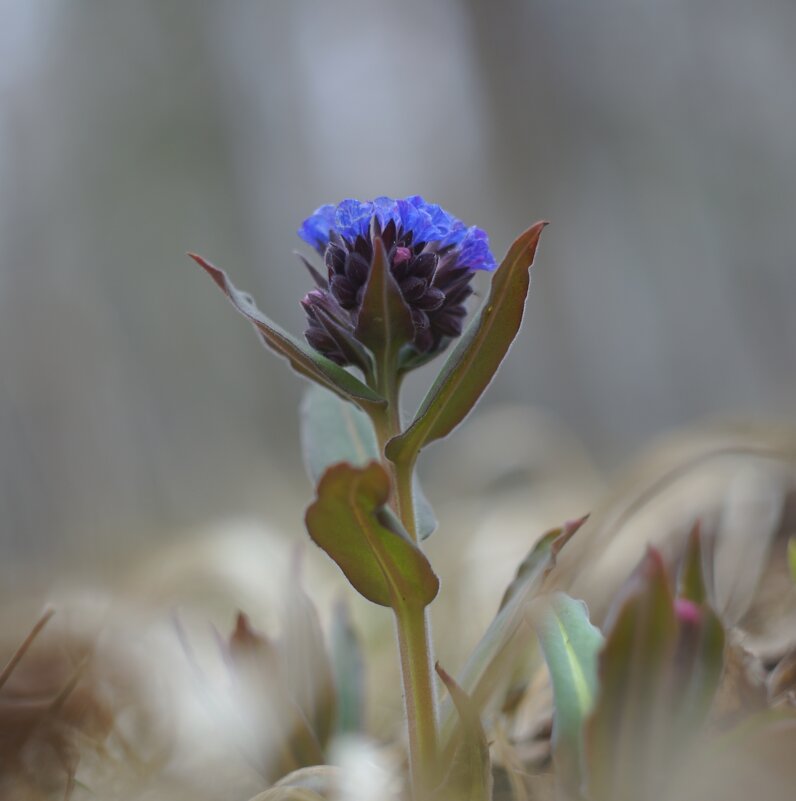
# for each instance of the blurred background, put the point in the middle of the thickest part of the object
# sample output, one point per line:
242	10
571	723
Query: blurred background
150	476
135	406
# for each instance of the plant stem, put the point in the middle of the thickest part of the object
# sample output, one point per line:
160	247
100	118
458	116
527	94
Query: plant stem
414	645
412	624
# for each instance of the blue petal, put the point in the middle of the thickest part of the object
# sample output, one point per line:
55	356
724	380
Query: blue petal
315	229
353	218
428	222
474	250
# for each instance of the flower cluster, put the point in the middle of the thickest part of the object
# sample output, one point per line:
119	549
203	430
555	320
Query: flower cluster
432	255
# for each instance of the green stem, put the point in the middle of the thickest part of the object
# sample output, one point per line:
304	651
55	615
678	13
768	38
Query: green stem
414	645
414	637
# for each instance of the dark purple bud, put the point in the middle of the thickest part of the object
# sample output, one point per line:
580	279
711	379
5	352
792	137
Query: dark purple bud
344	291
356	268
448	323
431	300
413	289
334	258
420	319
424	265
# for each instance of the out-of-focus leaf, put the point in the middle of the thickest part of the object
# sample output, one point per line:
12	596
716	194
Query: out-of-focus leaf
425	519
349	673
16	657
570	644
261	677
302	358
469	776
700	650
781	681
384	322
490	666
690	580
307	671
349	520
334	431
658	671
289	794
792	557
626	734
478	354
306	784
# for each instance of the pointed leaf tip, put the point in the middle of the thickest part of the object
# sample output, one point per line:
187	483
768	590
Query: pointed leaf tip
469	776
473	363
302	358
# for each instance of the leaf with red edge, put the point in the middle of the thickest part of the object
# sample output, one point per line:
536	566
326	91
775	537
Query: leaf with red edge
350	520
473	363
658	672
302	358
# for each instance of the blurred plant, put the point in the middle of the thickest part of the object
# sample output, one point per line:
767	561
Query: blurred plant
60	702
632	704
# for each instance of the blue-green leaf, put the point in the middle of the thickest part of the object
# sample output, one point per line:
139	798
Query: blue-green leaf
333	431
570	644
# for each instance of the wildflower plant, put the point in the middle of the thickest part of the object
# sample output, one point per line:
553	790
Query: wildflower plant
390	297
631	701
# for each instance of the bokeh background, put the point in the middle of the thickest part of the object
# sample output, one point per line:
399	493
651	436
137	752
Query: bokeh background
136	407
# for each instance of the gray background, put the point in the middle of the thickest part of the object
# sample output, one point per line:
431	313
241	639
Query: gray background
658	137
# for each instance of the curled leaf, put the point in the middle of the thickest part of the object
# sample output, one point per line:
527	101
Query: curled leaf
349	519
570	644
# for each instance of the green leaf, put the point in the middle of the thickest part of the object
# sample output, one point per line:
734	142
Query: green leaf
384	322
489	669
792	557
425	519
302	358
469	776
690	580
701	638
570	644
349	672
475	359
349	520
333	431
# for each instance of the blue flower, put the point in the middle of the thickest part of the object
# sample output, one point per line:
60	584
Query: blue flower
427	222
433	257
